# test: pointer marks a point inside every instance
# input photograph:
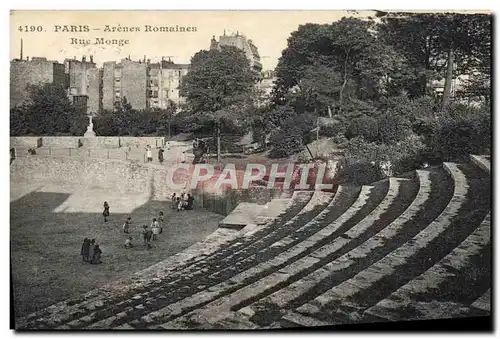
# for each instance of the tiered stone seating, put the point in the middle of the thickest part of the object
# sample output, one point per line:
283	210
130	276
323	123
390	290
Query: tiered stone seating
417	244
152	279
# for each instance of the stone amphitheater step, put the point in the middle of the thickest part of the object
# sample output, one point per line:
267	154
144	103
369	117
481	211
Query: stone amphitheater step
101	298
347	300
222	269
483	303
245	213
453	279
481	161
95	306
279	270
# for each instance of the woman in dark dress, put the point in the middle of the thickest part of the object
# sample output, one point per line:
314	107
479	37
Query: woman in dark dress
85	249
97	255
92	246
106	211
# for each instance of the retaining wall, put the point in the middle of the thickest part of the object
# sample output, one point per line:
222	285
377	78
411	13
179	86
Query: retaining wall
61	142
120	176
25	142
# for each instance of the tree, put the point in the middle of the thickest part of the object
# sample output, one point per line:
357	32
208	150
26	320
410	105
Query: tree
48	111
219	85
353	61
437	46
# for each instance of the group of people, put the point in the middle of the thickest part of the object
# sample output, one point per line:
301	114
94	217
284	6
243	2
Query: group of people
91	252
182	202
148	233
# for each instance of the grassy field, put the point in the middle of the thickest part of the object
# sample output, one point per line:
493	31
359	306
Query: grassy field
45	245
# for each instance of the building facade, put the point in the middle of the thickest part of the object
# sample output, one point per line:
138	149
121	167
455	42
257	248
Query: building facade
127	79
241	42
164	83
37	71
142	83
80	85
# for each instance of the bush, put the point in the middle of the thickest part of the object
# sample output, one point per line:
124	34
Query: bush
360	164
358	171
364	127
392	128
455	137
332	130
292	136
285	143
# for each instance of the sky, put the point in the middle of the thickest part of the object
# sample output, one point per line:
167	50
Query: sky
268	30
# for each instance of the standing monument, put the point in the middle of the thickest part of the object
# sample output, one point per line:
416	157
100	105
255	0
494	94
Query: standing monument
90	129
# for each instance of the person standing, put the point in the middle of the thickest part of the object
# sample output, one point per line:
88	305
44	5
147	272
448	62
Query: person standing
91	251
85	249
105	213
174	201
155	227
160	155
149	235
126	225
190	202
160	221
179	204
149	154
183	157
145	234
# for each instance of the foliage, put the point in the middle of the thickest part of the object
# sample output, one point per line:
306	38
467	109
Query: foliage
292	136
330	64
48	111
458	133
218	79
392	128
425	40
125	120
364	127
362	159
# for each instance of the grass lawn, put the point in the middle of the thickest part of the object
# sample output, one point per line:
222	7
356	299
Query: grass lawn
45	245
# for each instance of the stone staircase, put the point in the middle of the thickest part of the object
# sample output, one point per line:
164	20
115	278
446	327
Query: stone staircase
412	247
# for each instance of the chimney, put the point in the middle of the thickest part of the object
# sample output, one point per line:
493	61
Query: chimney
237	32
21	50
144	58
92	58
224	33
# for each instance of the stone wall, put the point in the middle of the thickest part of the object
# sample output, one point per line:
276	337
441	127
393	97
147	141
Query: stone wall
61	142
25	142
120	176
100	142
142	141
